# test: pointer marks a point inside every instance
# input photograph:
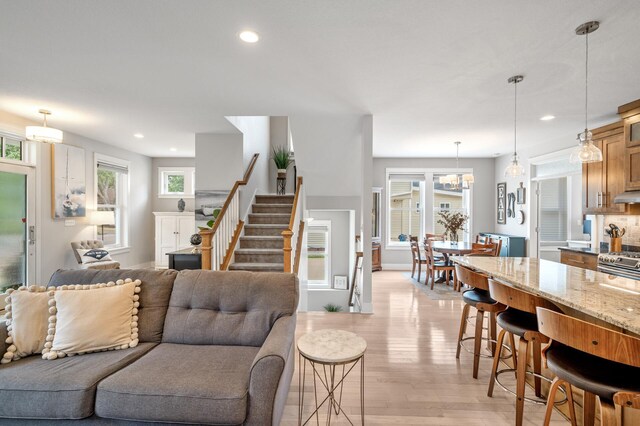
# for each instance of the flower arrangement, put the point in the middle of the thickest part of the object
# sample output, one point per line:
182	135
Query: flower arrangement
453	223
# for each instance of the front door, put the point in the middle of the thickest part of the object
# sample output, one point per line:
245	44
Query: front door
17	226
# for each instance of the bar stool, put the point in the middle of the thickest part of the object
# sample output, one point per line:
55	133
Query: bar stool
595	359
477	297
520	320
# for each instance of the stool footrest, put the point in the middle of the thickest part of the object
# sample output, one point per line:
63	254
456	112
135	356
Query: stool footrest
486	340
538	401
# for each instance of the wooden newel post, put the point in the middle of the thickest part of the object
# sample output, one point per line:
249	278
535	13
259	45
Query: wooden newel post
287	235
205	247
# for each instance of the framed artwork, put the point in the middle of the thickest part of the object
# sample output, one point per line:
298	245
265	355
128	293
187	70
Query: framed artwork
208	204
68	182
340	282
502	203
521	194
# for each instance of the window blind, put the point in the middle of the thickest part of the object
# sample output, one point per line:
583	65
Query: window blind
112	167
406	177
553	210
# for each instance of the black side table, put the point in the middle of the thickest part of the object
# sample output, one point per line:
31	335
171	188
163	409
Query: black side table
185	259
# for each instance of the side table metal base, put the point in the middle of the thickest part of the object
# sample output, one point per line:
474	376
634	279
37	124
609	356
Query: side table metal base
281	186
325	373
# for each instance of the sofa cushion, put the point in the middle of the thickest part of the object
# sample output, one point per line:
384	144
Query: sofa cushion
60	389
154	297
228	308
182	384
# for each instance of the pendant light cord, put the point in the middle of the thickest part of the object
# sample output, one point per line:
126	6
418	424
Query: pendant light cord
586	84
515	119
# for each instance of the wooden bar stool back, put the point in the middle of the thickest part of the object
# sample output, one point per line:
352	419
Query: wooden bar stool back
519	319
595	359
477	297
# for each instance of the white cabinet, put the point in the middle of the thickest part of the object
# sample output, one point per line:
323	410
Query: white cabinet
173	232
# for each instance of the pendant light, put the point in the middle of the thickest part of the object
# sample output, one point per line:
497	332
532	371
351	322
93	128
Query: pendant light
454	180
586	151
515	169
44	133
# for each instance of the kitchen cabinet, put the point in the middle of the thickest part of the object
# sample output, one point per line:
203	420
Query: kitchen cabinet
580	260
173	232
376	258
630	114
512	246
602	181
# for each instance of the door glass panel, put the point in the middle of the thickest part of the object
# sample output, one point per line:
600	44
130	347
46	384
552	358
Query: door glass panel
13	230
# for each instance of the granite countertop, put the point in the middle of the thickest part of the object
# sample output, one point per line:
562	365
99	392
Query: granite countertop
584	250
615	300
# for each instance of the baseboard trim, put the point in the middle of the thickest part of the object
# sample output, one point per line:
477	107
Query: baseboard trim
396	266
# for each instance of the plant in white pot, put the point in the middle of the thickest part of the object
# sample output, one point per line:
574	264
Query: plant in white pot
282	158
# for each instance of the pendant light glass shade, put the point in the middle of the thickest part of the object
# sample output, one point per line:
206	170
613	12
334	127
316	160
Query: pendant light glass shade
586	151
44	133
456	181
515	169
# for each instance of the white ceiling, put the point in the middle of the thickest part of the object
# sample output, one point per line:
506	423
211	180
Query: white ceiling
430	72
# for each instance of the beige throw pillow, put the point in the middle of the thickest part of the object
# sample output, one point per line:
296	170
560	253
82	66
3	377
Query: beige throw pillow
92	318
27	319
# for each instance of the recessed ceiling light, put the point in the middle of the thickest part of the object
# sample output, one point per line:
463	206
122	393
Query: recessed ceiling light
173	149
138	135
547	117
249	36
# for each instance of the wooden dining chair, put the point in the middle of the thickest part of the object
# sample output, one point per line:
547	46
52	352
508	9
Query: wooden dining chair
483	239
418	260
434	237
483	248
477	297
598	360
519	319
434	265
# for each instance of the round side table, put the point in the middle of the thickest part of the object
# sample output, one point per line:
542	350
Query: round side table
325	350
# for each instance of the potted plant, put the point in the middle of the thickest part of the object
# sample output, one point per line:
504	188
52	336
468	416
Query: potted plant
282	158
453	223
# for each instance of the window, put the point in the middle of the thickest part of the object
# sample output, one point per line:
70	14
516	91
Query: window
406	208
176	182
112	194
319	253
445	206
11	148
553	210
452	199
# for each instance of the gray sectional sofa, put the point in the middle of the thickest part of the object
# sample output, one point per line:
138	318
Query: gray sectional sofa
215	348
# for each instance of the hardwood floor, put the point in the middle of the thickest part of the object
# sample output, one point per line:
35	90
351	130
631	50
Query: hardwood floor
411	374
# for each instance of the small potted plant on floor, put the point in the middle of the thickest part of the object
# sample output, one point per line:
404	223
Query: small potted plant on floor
453	223
282	158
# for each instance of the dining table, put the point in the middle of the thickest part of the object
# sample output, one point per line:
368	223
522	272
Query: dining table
451	248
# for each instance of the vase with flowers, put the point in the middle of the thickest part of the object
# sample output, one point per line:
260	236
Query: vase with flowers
453	223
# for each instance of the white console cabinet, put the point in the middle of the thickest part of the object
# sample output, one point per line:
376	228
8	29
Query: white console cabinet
173	232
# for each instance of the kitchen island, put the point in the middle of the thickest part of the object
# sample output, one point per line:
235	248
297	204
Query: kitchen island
606	298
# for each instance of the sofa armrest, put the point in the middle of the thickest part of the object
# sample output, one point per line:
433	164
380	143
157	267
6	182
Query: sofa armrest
3	337
269	372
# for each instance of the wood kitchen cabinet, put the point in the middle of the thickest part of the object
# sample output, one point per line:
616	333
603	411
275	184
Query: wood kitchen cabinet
602	181
580	260
630	114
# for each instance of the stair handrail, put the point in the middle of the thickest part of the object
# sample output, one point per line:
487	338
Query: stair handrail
292	244
217	241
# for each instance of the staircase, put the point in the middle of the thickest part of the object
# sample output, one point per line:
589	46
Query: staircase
261	246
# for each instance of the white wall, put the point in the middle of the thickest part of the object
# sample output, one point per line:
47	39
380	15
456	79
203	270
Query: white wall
483	213
169	204
279	135
54	237
219	161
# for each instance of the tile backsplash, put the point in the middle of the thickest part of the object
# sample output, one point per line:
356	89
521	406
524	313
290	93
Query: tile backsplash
630	222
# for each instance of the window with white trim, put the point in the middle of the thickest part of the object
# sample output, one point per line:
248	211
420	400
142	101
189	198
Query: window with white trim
319	253
176	182
112	195
406	207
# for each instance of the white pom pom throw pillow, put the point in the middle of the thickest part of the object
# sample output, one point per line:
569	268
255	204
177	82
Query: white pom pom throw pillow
27	320
92	318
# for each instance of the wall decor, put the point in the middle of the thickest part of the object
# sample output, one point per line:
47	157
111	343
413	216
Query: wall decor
340	282
521	194
502	203
68	182
209	204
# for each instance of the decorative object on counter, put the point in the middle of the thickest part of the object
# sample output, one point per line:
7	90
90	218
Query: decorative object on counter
521	194
340	282
615	233
281	156
502	203
195	240
453	223
520	217
586	151
515	169
181	205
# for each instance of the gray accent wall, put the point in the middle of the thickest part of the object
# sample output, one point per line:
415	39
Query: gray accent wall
483	192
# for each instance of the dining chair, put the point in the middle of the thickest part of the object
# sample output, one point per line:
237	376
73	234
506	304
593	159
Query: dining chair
483	239
598	360
483	248
435	237
418	260
434	265
519	319
477	297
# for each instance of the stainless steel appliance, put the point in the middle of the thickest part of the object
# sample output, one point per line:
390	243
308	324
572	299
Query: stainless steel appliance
624	264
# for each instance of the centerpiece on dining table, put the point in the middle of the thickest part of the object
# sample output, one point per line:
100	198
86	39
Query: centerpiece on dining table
453	223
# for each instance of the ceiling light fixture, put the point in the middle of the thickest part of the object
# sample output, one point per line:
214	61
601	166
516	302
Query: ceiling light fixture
138	135
547	117
454	180
515	169
249	36
44	133
173	149
586	151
